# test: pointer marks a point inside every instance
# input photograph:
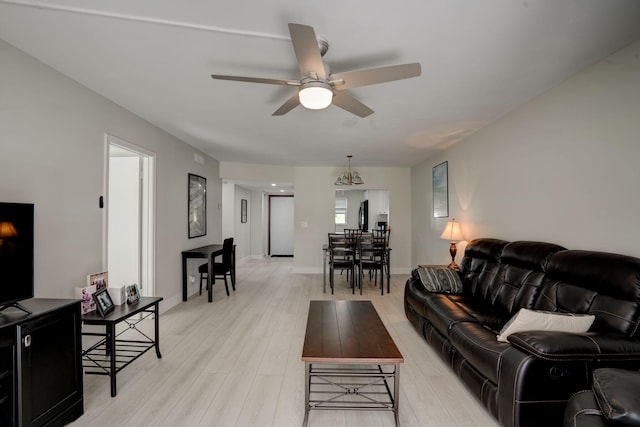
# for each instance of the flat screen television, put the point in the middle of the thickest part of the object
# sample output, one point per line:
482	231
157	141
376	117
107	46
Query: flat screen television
16	254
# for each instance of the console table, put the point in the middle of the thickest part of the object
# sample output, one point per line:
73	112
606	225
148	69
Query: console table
209	252
102	358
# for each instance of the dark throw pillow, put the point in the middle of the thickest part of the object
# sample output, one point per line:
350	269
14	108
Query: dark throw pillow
440	279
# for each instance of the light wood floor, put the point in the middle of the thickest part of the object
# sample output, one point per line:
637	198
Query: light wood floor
236	362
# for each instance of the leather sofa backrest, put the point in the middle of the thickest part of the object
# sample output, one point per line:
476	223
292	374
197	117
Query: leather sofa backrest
603	284
479	268
523	264
503	276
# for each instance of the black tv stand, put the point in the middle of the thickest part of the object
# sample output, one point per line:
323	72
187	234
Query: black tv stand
16	305
41	364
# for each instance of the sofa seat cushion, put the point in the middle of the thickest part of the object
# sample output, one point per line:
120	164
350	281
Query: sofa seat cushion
477	344
443	313
617	392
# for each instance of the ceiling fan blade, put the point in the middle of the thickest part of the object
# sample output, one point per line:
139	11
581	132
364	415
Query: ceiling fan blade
257	80
373	76
352	105
291	103
305	44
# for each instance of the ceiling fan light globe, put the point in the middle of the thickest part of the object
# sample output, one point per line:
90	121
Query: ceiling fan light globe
315	95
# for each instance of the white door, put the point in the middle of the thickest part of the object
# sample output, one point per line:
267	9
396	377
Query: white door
129	228
281	225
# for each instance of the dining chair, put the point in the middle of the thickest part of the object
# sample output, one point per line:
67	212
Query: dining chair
342	257
381	237
372	257
352	232
221	269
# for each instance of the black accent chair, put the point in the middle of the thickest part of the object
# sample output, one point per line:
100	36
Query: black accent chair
221	269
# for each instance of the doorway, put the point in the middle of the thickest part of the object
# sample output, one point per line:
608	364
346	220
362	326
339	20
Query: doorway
130	215
281	226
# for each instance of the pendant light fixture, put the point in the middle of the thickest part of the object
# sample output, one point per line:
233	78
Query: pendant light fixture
348	177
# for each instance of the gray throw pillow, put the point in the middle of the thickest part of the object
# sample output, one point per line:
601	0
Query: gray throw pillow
440	279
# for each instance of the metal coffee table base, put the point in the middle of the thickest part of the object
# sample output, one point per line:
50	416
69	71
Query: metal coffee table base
362	387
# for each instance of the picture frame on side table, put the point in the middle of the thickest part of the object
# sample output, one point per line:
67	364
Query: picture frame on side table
440	179
104	304
99	280
197	208
243	210
133	294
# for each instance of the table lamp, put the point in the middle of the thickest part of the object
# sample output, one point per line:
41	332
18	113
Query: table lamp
452	233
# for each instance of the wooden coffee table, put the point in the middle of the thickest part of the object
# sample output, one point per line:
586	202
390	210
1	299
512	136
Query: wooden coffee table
350	359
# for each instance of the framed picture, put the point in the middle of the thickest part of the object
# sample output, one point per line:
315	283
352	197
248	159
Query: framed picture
133	294
243	210
104	304
197	206
99	280
440	180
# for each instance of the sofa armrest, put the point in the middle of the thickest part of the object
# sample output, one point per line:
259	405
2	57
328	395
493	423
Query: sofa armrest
550	345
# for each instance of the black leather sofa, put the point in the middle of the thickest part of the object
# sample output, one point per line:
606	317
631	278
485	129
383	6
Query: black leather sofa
528	380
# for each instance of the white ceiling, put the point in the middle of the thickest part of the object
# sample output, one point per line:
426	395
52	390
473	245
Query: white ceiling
480	59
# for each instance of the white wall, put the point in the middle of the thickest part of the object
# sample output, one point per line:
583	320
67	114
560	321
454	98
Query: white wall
563	168
254	172
52	133
258	221
228	212
314	206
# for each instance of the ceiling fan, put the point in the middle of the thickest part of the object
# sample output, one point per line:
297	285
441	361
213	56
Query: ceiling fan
317	88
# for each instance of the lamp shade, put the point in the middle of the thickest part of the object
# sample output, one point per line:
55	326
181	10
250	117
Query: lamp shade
452	231
315	95
7	230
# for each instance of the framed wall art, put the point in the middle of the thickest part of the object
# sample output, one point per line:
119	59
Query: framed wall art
440	178
197	206
243	210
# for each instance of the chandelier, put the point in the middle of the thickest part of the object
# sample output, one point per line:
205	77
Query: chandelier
348	177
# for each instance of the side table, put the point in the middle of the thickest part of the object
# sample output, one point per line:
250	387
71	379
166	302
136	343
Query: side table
103	357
